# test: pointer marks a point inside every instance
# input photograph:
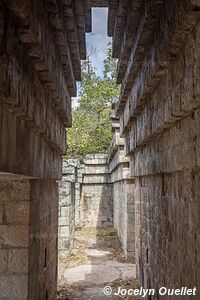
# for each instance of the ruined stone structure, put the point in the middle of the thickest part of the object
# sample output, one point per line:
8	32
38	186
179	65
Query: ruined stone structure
41	44
85	197
96	207
14	238
68	209
157	44
99	192
123	191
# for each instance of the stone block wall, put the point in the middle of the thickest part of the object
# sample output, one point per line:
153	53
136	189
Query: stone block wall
85	197
68	196
96	207
65	219
123	191
124	215
157	43
168	216
41	45
14	238
43	239
28	238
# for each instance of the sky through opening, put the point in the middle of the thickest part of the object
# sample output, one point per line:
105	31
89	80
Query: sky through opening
98	40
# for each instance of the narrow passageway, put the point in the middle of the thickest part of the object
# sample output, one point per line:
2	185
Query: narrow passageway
96	261
138	172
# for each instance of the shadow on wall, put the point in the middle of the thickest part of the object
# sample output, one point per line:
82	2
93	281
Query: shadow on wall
96	205
85	197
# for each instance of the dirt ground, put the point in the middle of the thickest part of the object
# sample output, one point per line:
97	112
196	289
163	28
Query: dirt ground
95	262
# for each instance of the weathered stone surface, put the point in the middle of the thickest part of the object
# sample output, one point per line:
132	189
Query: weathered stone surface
96	205
99	274
124	211
14	190
4	261
43	239
123	192
157	43
18	261
14	238
38	72
67	206
159	120
40	49
95	159
85	197
102	254
17	288
17	213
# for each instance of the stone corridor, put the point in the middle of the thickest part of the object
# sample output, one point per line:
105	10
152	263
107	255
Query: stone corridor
152	169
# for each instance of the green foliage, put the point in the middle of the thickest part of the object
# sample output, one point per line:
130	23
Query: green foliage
91	126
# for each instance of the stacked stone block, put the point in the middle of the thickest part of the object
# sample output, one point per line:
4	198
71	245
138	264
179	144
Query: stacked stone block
96	192
42	43
157	43
43	238
68	206
85	197
14	238
123	191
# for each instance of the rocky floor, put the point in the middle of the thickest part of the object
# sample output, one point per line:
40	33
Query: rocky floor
95	262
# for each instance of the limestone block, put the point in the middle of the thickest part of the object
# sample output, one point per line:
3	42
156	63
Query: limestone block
3	260
115	143
14	235
64	211
93	179
17	287
95	159
69	178
70	163
96	169
14	190
17	212
118	159
69	170
64	231
63	244
77	186
64	201
20	190
18	261
64	221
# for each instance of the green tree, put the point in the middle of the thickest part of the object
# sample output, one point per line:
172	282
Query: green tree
91	125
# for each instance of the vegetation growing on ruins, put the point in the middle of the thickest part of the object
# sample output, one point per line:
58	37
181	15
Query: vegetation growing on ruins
90	132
